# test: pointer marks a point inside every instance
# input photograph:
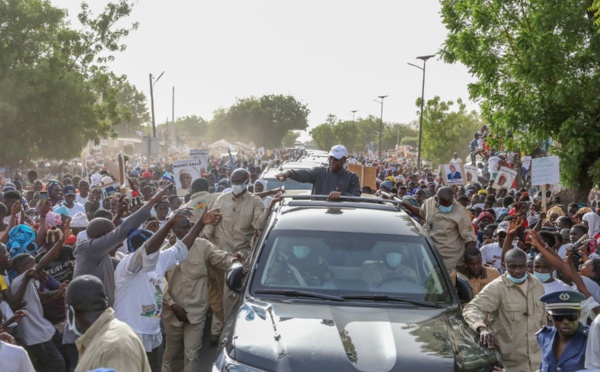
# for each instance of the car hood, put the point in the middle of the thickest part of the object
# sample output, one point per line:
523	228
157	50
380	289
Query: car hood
282	336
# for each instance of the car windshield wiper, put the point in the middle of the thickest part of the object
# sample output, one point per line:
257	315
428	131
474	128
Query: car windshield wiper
294	293
380	297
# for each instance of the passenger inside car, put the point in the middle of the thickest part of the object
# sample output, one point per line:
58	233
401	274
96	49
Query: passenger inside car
393	267
299	266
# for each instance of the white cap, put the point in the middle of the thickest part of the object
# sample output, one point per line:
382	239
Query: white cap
106	180
79	220
95	179
338	152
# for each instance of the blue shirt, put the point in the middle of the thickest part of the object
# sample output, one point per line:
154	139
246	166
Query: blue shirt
572	358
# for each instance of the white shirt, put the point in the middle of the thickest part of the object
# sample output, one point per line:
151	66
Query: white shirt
592	350
493	164
7	312
456	161
139	282
14	358
81	200
73	210
562	251
480	144
491	252
555	286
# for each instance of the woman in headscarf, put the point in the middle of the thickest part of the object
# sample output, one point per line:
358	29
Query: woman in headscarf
55	193
592	221
554	213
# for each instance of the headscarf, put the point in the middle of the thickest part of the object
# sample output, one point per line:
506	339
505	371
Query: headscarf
51	186
593	222
262	182
555	210
584	210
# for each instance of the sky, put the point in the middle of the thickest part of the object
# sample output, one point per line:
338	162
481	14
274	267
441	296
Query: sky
334	55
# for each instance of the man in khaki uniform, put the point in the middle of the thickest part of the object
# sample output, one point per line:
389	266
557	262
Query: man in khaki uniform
186	301
105	341
515	315
449	225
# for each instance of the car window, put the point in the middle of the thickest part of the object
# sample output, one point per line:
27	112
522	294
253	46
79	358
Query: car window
346	264
274	183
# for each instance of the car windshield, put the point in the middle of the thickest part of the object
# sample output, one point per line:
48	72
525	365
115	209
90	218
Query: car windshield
274	183
350	264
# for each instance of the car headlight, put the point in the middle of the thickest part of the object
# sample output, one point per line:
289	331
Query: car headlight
224	363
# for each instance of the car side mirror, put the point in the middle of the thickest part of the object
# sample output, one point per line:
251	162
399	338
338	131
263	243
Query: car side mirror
463	289
234	278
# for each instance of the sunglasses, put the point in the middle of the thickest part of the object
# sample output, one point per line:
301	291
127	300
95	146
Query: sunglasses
569	317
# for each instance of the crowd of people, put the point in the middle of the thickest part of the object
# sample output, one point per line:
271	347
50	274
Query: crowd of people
129	281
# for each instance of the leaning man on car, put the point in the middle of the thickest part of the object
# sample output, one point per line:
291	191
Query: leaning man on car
334	180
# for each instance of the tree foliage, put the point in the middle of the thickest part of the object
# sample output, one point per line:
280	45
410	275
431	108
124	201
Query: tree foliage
538	70
55	90
446	131
191	126
264	121
360	134
289	140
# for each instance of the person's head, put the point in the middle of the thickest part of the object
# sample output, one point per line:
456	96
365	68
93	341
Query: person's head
484	219
473	264
590	269
5	262
402	191
445	198
476	135
32	176
102	213
455	155
420	196
502	180
84	188
516	264
99	226
156	176
563	222
337	158
10	198
564	310
86	300
22	262
576	232
300	251
541	269
174	202
463	200
137	238
185	178
488	231
240	178
490	201
431	188
162	209
452	168
200	184
572	209
182	228
70	194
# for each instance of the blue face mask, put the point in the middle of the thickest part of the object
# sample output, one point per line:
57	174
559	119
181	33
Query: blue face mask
515	280
446	209
393	259
542	277
300	252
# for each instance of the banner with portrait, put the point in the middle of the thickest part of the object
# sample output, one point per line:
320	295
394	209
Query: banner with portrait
504	178
185	172
453	174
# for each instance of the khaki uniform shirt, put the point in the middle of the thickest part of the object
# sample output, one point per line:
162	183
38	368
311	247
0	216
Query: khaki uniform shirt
188	281
449	231
489	275
110	343
201	200
514	319
241	217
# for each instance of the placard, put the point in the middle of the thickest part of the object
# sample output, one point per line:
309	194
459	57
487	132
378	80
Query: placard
261	152
504	178
472	173
185	171
201	155
367	176
453	174
545	171
109	189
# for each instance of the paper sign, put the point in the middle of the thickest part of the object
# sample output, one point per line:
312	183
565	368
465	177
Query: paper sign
472	173
109	189
545	171
505	178
453	174
261	152
201	155
185	172
526	162
366	175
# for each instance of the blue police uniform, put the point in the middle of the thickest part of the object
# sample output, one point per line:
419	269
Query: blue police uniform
572	358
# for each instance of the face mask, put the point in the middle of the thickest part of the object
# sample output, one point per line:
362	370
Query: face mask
543	277
445	209
393	259
239	189
301	252
71	321
515	280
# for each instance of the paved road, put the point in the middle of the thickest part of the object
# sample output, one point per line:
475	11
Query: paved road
208	354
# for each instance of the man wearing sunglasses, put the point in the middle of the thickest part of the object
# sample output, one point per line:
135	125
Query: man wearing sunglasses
334	180
563	345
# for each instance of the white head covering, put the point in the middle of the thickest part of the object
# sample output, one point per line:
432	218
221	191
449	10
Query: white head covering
593	222
95	179
262	182
79	220
106	180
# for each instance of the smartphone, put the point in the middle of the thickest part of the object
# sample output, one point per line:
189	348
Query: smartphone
43	197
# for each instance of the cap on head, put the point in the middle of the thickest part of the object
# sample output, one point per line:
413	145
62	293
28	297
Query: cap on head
69	190
338	152
563	302
79	220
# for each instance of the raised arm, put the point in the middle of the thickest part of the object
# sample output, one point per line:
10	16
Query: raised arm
54	252
511	233
40	236
14	212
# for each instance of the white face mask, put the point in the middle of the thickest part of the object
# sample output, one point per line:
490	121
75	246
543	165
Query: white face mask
239	189
393	259
71	321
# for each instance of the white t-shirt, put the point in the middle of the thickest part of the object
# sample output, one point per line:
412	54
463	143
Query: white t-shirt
7	312
73	210
592	350
562	251
14	358
480	144
456	161
491	252
139	282
555	286
493	164
82	200
34	328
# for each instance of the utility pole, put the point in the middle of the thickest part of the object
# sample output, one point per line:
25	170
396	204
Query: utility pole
381	122
152	82
424	59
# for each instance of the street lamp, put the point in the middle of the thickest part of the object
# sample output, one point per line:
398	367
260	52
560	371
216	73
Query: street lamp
381	122
424	59
152	82
353	112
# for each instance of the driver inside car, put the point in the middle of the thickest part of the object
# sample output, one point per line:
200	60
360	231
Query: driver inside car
299	267
392	268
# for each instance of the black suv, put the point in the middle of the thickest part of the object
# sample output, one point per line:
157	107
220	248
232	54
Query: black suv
351	285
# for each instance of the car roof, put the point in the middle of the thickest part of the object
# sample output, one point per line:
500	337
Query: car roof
345	216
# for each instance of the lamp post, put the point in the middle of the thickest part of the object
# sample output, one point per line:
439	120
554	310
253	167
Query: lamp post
152	82
381	121
424	59
353	113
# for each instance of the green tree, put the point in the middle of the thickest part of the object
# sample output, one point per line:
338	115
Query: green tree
446	131
410	141
265	120
132	109
191	126
56	93
323	136
289	140
538	67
